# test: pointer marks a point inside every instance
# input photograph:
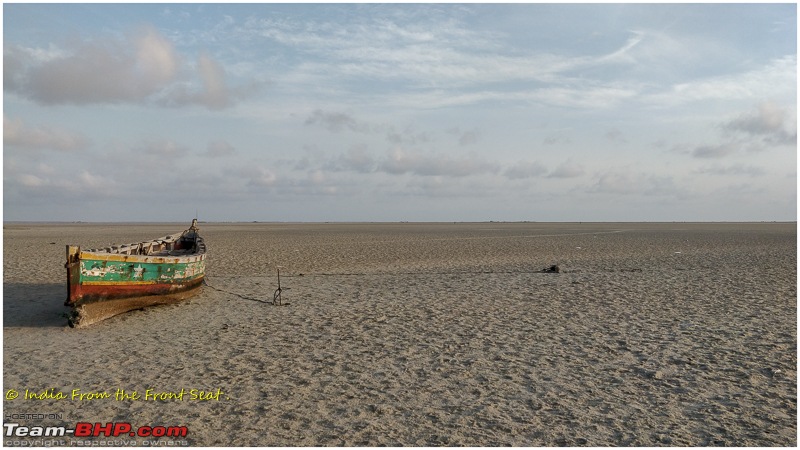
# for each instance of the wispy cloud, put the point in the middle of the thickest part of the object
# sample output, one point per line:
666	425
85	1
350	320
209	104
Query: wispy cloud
734	169
626	182
776	79
17	134
84	185
162	149
447	63
401	161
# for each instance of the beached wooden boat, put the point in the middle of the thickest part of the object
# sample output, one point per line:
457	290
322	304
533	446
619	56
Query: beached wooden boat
105	282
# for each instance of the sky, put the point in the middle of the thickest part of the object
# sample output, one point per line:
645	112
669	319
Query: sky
399	112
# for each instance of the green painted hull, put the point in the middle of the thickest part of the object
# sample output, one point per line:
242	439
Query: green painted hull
98	271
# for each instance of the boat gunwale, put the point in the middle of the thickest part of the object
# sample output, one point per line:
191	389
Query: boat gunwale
117	252
148	259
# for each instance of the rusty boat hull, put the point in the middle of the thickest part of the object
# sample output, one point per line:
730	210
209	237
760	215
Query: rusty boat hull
103	283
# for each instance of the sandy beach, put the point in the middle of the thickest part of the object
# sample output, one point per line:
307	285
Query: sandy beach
671	334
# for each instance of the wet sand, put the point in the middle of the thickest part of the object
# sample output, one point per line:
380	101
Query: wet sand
414	334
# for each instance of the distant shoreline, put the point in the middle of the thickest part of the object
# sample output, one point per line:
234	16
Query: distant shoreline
267	222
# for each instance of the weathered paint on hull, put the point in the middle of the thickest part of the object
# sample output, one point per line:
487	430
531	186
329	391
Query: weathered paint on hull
88	293
99	304
103	271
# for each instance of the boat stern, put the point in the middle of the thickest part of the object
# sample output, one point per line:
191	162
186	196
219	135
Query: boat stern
73	266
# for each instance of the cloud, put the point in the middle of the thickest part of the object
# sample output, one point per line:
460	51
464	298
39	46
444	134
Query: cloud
30	181
336	121
525	169
616	136
754	131
629	183
313	182
554	139
258	177
219	149
735	169
212	91
142	66
356	159
110	71
162	149
448	188
444	63
775	79
14	60
17	134
401	162
568	169
465	137
384	48
156	58
407	137
583	95
84	185
624	53
770	121
714	151
93	182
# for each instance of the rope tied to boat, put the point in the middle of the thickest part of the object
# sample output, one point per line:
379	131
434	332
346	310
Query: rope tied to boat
276	297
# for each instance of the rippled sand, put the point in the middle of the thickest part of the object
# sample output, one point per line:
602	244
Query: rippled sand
430	334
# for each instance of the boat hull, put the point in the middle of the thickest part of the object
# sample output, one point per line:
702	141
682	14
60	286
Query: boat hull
109	303
102	284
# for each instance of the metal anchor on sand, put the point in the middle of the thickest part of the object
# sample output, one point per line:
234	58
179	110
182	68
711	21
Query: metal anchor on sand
276	297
